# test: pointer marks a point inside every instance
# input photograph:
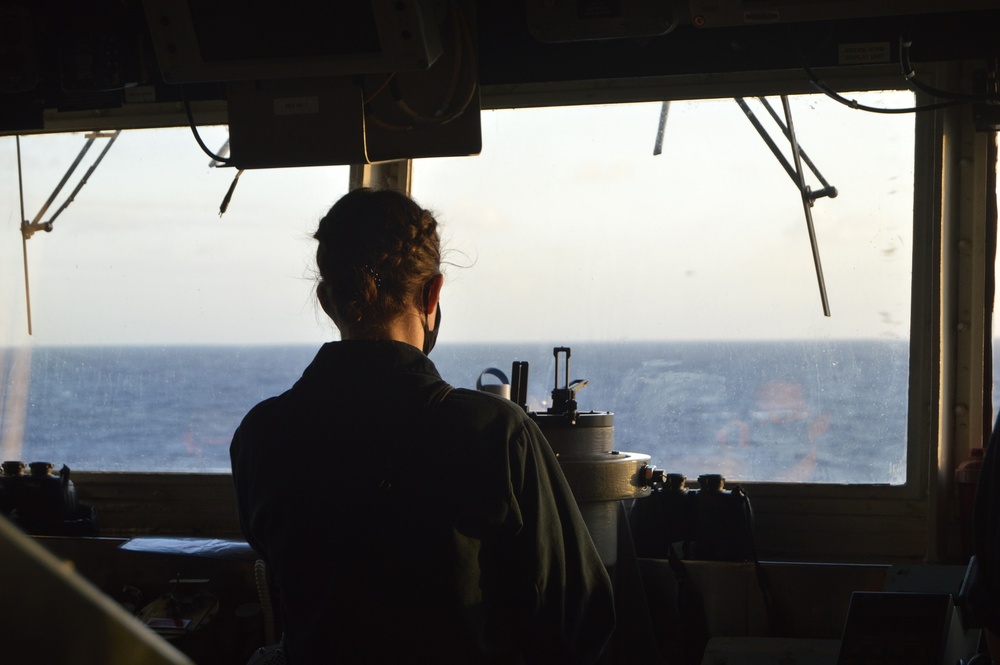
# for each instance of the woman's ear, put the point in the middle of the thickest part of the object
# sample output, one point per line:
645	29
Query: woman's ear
323	295
432	298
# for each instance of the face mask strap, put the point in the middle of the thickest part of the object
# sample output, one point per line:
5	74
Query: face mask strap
430	336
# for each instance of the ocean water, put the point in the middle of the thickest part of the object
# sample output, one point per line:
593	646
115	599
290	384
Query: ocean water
788	411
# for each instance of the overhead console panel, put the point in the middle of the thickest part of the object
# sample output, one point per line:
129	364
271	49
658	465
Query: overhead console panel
367	116
229	40
578	20
316	82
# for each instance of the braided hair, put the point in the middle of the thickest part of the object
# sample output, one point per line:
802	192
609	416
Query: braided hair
377	252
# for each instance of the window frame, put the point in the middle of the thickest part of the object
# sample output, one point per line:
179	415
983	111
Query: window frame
906	523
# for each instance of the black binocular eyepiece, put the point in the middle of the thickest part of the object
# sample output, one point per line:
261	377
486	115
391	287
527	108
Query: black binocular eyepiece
710	523
43	502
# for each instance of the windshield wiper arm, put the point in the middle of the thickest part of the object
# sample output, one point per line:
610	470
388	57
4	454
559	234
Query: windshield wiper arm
28	229
798	177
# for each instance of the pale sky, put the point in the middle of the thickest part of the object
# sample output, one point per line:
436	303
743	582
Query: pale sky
566	227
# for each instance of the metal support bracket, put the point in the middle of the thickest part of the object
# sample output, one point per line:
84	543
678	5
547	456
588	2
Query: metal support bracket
29	229
795	172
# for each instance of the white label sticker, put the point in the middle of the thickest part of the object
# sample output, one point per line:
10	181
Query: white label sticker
862	54
296	105
140	94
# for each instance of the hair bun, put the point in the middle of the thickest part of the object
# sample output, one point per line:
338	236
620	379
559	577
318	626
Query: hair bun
377	249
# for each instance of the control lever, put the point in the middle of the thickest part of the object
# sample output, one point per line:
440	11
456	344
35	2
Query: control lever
519	383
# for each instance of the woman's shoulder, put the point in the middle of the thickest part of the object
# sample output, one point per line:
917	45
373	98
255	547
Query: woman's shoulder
267	413
476	409
480	401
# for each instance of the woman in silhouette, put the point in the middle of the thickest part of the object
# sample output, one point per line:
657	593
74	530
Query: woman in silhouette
403	520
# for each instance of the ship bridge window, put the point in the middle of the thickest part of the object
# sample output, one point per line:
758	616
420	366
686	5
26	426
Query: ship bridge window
683	282
156	323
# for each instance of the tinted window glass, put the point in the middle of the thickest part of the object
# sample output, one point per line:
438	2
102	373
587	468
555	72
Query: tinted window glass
683	282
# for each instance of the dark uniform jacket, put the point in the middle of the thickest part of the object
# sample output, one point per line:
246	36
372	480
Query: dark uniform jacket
407	522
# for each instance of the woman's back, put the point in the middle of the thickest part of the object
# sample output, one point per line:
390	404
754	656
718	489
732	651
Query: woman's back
411	522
